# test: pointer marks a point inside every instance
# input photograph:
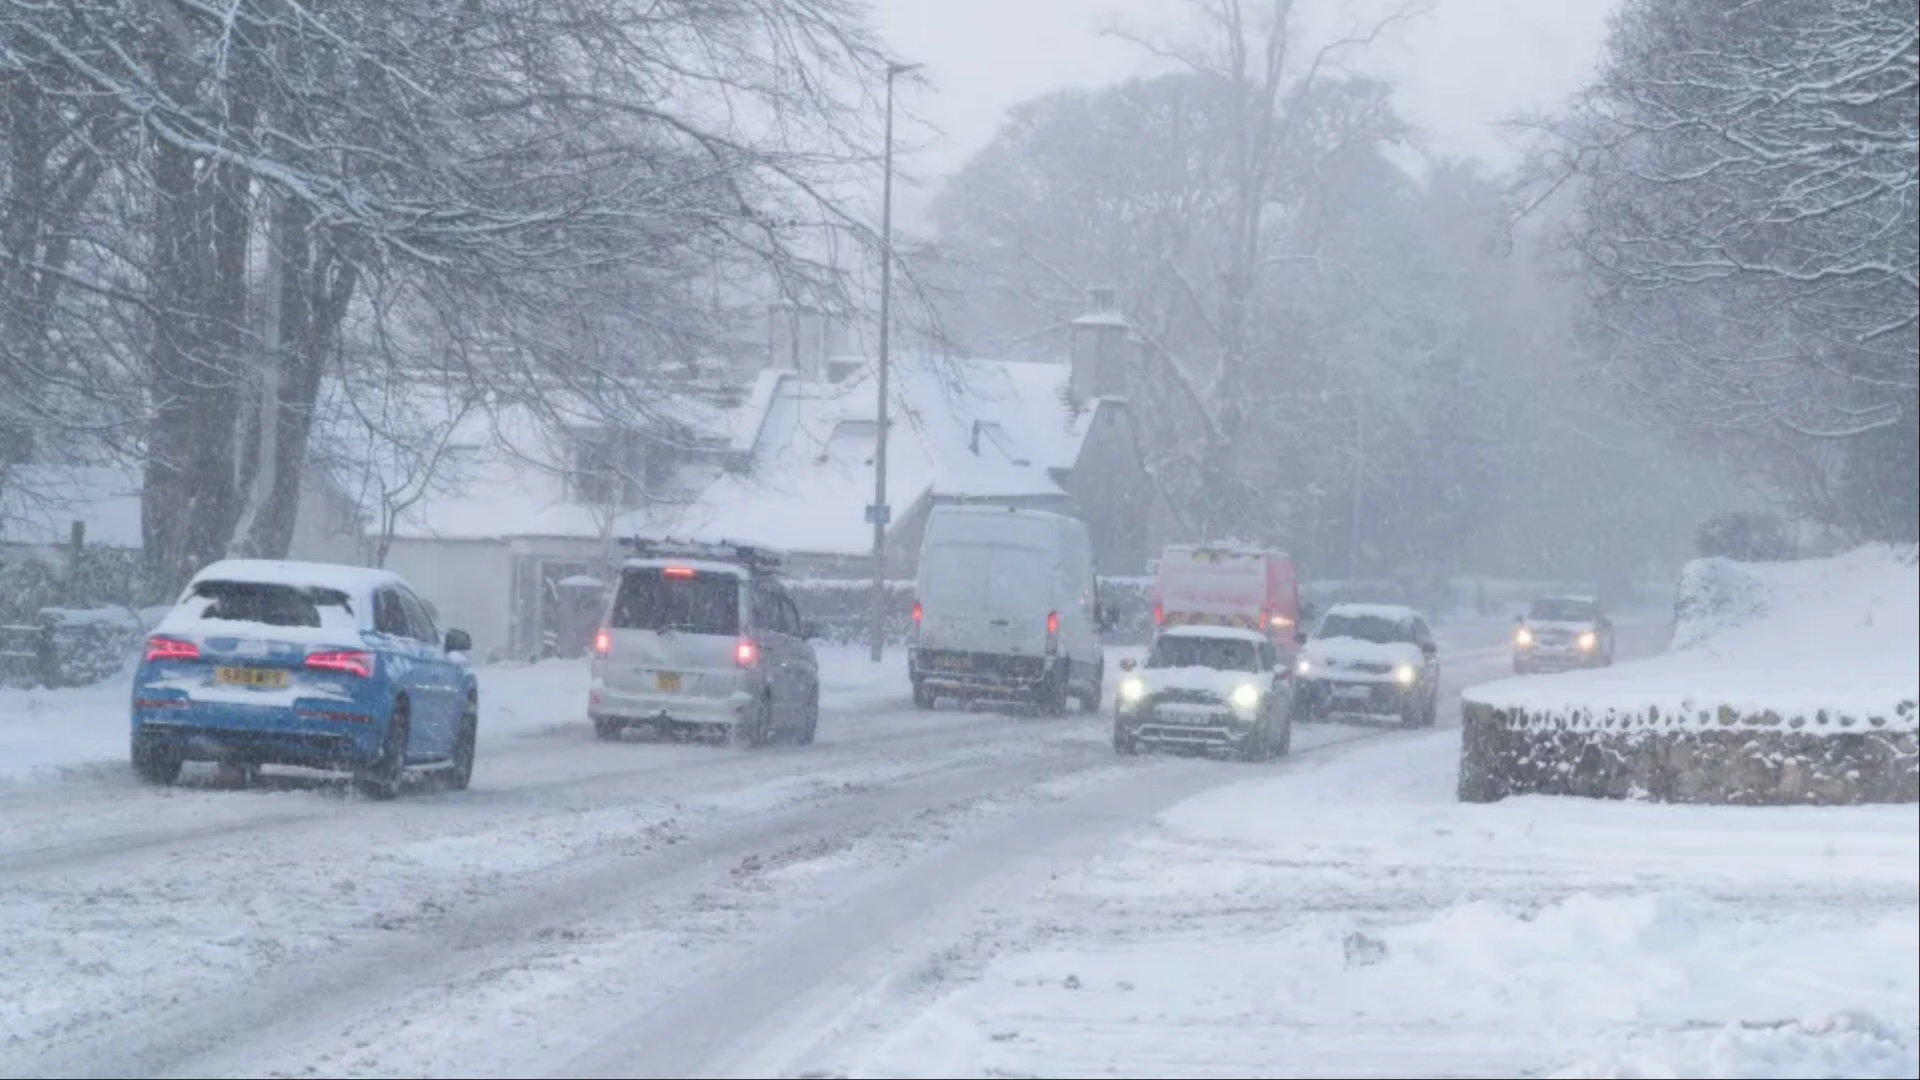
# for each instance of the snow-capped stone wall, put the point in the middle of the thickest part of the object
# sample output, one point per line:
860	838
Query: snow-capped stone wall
1786	683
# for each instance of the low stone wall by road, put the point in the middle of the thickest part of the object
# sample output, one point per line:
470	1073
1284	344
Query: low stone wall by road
1725	758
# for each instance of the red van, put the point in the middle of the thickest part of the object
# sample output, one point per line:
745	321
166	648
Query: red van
1217	585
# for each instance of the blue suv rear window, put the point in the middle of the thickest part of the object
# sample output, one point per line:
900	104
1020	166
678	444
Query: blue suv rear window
267	605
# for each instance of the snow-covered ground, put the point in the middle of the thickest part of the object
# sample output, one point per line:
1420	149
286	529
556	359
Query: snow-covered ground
1348	918
1823	644
928	894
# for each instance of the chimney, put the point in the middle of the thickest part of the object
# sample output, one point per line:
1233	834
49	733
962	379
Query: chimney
783	335
1100	348
799	338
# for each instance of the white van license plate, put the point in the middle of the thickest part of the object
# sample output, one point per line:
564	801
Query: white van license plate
667	682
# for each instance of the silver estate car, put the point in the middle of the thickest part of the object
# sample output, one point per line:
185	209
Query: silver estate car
703	640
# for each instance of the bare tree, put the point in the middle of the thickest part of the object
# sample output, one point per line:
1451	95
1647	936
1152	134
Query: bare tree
1746	182
514	168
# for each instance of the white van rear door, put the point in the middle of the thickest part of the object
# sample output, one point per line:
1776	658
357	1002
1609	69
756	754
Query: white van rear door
986	597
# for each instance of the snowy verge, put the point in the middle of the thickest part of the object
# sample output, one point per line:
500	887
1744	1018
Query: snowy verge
1820	645
1786	683
1346	918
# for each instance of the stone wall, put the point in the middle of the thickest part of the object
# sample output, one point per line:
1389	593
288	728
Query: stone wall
1732	759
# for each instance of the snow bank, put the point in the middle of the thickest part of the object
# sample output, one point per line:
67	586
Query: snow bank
1821	645
1344	917
1849	1044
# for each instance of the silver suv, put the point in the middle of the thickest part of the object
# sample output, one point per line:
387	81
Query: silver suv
702	639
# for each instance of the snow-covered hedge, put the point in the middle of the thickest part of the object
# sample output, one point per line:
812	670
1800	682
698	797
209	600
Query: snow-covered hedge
72	647
1795	681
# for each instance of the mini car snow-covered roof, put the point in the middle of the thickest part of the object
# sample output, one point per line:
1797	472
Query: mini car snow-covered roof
1226	633
1390	612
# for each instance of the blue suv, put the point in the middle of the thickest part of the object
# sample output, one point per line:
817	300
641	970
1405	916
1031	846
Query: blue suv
307	664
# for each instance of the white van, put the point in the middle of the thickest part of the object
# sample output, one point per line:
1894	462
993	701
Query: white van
1006	607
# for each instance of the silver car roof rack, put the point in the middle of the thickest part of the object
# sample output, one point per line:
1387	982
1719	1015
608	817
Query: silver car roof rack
758	558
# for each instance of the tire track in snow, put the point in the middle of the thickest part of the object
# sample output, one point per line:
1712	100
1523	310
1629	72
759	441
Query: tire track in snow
325	803
324	991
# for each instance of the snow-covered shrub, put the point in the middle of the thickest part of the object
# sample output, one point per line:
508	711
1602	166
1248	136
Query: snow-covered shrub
90	645
843	608
1715	595
1745	535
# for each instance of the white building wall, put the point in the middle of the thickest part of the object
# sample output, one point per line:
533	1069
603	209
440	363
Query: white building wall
470	583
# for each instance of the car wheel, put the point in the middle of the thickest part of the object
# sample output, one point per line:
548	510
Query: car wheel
1096	695
811	723
605	729
922	697
155	767
381	780
1258	745
1053	696
1284	746
758	729
465	744
1124	743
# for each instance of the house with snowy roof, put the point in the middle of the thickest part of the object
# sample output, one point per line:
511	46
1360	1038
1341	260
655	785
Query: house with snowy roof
515	551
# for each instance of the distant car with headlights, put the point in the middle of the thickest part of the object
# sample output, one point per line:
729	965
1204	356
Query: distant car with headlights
305	664
1561	633
1209	687
1370	661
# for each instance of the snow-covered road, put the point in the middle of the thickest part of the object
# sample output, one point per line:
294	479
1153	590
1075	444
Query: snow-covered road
619	910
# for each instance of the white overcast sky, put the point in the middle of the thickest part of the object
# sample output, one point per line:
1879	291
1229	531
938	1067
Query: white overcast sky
1462	68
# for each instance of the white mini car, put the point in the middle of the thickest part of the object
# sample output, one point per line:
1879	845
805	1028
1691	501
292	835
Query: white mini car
1211	687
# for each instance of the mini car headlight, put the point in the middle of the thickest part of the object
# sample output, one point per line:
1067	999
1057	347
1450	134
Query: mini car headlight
1245	697
1405	675
1132	689
1523	637
1303	666
1588	640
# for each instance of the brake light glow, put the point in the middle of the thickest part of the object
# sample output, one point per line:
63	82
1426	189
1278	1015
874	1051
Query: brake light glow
1159	614
746	653
678	572
602	642
916	611
164	648
1053	622
358	664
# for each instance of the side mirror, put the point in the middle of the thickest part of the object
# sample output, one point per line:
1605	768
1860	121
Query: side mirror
810	631
1428	648
1299	637
459	641
1308	611
1128	665
1519	618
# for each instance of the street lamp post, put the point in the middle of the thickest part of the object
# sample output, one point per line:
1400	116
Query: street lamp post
880	513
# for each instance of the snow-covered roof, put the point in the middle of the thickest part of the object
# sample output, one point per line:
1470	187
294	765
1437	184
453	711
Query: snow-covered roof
1389	612
1228	633
959	429
39	503
352	580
